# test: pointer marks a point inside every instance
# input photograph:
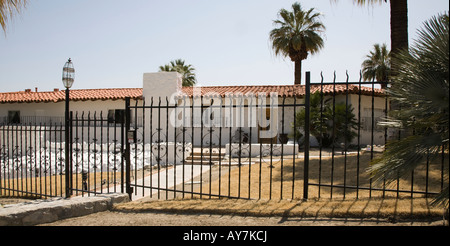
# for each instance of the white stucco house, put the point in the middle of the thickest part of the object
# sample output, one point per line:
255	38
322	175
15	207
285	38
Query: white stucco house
30	107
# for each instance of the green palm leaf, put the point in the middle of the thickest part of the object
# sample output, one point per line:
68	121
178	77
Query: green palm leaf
187	71
421	92
8	8
377	66
296	35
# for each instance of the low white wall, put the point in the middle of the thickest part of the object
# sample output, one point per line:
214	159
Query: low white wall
256	150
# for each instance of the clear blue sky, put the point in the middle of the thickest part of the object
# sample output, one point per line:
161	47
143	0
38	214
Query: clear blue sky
112	43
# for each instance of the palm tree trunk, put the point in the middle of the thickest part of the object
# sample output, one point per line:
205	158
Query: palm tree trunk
399	28
298	72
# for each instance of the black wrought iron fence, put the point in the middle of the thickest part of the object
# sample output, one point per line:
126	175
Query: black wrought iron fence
214	146
349	140
97	154
31	120
206	144
32	160
32	157
314	142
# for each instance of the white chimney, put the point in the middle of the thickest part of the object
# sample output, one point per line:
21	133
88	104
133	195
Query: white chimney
161	85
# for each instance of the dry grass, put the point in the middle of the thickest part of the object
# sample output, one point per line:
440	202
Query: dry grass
281	192
54	185
418	208
284	180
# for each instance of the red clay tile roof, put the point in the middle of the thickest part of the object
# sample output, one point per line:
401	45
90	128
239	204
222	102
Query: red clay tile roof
75	95
282	90
136	93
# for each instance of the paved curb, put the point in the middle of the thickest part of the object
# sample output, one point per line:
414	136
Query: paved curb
50	210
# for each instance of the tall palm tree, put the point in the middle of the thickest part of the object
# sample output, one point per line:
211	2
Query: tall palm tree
399	24
297	34
8	8
187	71
378	64
421	88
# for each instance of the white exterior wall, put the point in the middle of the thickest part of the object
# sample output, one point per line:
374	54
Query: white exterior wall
366	114
158	89
44	133
51	109
33	109
162	84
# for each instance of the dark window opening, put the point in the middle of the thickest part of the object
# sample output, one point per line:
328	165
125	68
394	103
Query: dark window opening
116	116
14	117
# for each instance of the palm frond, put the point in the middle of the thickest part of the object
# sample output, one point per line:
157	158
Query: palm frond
297	29
187	71
420	89
365	2
8	8
378	64
403	156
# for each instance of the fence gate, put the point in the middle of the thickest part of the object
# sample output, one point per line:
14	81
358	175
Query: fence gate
215	146
98	153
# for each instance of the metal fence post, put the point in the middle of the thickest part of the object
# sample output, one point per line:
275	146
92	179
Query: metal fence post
67	141
70	154
306	141
128	189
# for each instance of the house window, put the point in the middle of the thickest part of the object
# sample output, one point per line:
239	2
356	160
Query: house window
116	116
366	119
14	117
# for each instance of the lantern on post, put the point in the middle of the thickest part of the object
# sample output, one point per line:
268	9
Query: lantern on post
68	78
68	74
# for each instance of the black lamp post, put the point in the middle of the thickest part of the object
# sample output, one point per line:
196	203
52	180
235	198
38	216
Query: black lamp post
68	77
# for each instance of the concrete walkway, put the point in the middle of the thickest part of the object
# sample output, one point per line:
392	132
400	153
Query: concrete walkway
53	209
49	210
166	179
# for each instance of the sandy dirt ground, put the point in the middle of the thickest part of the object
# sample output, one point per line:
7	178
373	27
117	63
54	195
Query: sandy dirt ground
175	228
112	218
143	218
